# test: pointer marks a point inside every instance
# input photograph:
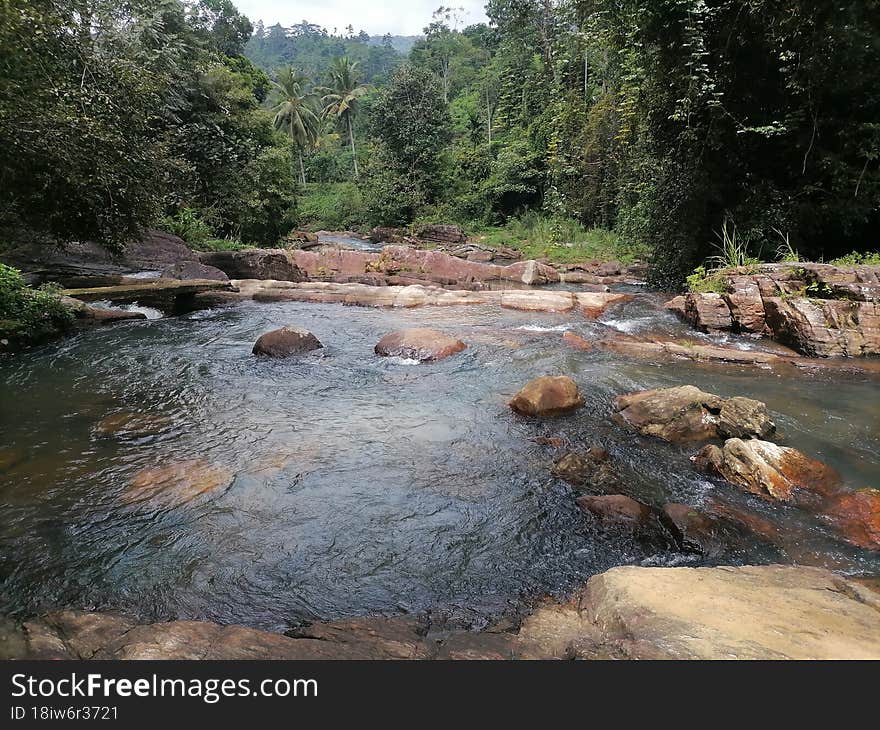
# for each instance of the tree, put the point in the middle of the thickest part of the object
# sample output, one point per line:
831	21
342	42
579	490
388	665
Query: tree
296	113
341	98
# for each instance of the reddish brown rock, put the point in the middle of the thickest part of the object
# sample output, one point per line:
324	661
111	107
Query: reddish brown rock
537	301
688	414
440	233
131	425
577	342
617	509
285	342
856	515
419	344
694	530
590	467
769	470
547	396
708	312
177	484
746	306
594	304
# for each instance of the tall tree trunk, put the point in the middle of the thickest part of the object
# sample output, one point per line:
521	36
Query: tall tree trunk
302	169
353	150
488	118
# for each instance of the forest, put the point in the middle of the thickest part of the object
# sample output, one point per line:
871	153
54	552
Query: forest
621	128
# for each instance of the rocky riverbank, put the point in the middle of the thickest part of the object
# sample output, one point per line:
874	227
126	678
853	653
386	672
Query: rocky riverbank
766	612
818	309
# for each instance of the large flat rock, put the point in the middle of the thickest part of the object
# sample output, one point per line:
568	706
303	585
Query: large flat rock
765	612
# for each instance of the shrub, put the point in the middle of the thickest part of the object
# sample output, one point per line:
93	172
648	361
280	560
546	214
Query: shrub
28	314
703	281
336	206
189	224
858	259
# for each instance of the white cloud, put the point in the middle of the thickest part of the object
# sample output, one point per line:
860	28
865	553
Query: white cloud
398	17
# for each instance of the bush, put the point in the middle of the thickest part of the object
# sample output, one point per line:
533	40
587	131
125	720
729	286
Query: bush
332	207
268	206
28	314
220	244
858	259
190	225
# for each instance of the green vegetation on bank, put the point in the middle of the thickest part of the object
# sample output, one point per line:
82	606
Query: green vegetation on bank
27	314
578	128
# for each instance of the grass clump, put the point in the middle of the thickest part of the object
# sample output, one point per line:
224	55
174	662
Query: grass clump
704	281
331	207
220	244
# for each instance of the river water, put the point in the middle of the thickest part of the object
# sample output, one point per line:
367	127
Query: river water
365	485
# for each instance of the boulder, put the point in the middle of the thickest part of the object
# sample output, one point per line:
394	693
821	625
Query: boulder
594	304
616	509
537	301
856	515
547	396
131	425
420	344
188	270
708	312
440	233
285	342
382	234
590	468
255	263
177	484
768	470
686	414
749	612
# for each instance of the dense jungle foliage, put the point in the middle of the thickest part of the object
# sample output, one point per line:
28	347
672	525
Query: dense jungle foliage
661	126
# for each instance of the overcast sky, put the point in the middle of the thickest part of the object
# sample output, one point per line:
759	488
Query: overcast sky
398	17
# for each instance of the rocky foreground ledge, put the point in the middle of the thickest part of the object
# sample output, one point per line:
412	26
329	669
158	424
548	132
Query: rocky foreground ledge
765	612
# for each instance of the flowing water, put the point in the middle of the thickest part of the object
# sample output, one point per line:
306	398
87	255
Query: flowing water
364	485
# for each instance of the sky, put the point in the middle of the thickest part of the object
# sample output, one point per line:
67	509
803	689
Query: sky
398	17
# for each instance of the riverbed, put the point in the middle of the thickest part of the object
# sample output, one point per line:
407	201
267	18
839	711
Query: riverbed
367	485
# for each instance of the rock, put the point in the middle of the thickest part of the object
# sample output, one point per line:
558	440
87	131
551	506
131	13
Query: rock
750	612
150	289
677	305
687	350
440	233
587	468
825	328
856	515
255	263
695	531
302	237
193	270
177	484
155	251
533	274
616	509
10	458
537	301
686	413
285	342
594	304
577	342
547	396
820	310
419	344
97	315
769	470
131	425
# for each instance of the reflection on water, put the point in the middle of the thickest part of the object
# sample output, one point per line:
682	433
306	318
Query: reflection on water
361	485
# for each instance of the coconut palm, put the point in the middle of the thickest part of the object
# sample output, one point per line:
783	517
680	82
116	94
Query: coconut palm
296	112
341	97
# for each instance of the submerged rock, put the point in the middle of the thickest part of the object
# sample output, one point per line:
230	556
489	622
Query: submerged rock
577	342
420	344
687	413
547	396
769	470
11	457
587	468
856	515
285	342
131	425
694	530
617	509
177	484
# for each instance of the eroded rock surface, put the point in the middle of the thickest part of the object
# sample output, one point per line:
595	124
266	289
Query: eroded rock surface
686	413
177	484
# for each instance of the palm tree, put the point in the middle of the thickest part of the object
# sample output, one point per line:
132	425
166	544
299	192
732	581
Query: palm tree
341	97
296	113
